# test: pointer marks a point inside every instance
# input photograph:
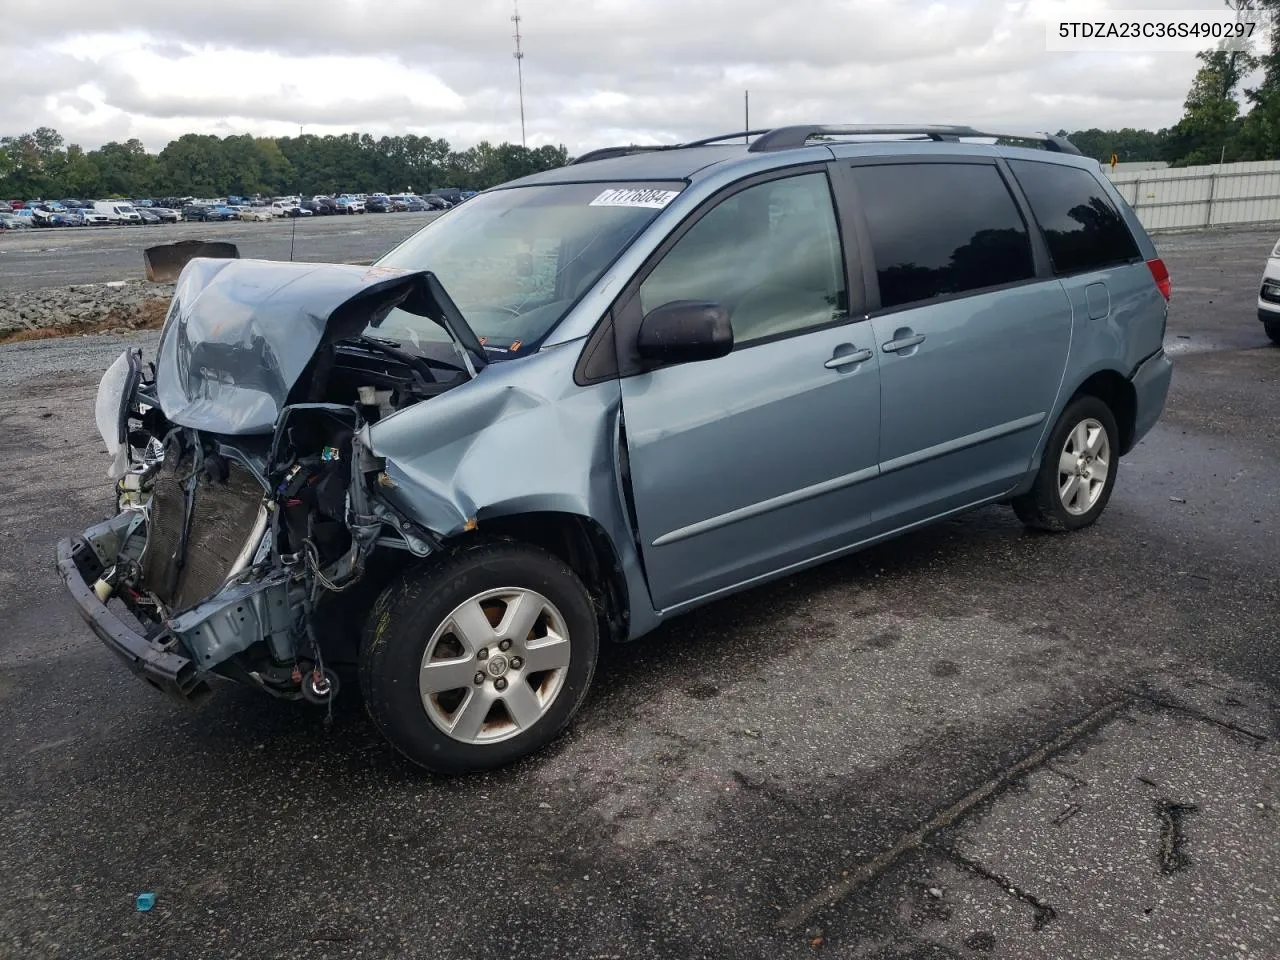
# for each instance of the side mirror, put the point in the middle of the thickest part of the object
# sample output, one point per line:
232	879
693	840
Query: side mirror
683	331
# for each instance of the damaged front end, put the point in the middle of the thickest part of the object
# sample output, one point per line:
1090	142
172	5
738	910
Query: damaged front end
248	502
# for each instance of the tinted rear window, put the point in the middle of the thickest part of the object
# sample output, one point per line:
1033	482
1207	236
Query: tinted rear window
939	229
1082	226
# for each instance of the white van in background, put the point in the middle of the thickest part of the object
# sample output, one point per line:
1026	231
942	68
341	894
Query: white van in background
119	211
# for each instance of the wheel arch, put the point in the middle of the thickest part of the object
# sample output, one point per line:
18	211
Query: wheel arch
1116	391
584	546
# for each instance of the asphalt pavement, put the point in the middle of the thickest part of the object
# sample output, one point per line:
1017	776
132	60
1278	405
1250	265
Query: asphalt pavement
53	257
971	742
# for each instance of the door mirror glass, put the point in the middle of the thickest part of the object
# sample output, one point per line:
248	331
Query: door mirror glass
683	331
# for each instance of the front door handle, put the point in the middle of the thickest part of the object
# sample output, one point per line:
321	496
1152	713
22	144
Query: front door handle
844	359
903	343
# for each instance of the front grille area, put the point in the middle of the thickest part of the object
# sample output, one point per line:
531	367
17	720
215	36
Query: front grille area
222	518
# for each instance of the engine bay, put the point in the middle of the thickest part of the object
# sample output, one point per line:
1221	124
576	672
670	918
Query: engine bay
233	549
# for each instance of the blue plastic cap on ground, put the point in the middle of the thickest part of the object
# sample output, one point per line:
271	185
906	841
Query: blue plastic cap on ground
146	901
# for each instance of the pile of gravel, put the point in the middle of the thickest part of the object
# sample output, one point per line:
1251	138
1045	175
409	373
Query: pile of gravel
121	305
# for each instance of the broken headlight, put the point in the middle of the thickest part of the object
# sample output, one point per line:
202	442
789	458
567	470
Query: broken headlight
111	409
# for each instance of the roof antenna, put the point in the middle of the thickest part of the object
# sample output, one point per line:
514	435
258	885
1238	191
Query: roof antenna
519	55
294	234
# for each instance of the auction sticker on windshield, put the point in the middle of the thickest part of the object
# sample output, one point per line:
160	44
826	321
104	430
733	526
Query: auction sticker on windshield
625	197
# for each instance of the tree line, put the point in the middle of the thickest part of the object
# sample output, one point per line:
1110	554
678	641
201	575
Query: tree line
40	164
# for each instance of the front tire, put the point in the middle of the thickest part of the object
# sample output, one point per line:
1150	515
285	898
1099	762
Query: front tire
1273	330
480	658
1078	471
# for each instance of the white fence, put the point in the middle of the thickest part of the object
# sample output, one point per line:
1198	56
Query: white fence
1196	197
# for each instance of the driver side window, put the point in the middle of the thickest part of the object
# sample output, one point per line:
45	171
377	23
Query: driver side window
770	255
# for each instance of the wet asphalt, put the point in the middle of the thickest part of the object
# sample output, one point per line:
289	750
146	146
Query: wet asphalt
971	742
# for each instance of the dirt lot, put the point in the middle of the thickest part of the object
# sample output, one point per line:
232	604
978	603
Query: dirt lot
971	742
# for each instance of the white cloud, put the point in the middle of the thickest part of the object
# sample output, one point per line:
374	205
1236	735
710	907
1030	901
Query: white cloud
614	70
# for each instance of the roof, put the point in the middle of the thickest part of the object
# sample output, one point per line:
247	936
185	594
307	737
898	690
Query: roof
674	163
682	161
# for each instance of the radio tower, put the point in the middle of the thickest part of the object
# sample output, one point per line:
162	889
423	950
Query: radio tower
519	55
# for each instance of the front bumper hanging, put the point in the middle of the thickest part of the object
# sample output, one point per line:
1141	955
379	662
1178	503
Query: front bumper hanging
151	659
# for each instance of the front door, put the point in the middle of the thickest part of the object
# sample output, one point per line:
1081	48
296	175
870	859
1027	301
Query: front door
759	460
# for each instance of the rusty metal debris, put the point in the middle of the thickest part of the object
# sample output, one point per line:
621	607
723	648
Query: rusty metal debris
165	262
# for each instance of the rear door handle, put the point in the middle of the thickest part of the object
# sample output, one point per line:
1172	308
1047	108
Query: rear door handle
844	359
906	343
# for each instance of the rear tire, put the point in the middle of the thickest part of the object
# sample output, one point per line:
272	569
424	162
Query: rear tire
1068	493
1273	330
480	658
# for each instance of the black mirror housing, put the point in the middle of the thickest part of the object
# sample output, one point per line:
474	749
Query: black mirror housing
683	331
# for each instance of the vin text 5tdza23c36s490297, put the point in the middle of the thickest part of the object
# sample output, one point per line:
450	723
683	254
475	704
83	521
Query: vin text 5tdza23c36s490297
592	399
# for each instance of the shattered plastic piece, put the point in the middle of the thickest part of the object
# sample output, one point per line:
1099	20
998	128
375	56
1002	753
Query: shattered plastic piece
1177	500
330	453
145	902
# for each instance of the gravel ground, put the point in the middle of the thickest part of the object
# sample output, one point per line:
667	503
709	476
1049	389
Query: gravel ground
972	741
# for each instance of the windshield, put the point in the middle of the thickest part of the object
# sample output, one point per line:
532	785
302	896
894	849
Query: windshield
125	208
516	261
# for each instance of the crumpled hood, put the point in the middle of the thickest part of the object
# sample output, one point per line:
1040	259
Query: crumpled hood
240	333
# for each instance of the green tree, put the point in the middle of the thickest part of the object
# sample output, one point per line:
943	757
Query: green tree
125	169
1211	117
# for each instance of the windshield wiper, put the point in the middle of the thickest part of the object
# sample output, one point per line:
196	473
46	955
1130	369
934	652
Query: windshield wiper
421	366
377	343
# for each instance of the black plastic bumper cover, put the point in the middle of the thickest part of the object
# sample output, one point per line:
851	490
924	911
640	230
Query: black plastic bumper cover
169	672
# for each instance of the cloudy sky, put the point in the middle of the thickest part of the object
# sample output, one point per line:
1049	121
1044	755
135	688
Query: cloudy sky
597	72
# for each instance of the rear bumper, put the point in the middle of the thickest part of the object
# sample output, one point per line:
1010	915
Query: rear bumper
1150	387
158	665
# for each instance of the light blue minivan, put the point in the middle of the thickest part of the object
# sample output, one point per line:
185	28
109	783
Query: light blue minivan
595	398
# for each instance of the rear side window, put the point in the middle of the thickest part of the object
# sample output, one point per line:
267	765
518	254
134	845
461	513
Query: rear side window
1081	225
940	229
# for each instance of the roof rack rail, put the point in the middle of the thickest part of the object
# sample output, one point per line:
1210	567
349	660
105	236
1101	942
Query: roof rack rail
606	153
789	138
707	141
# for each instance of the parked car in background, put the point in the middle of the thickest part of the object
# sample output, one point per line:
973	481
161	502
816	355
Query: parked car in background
1269	296
256	214
166	215
93	218
199	211
377	205
350	204
46	214
148	217
122	211
289	208
70	218
11	221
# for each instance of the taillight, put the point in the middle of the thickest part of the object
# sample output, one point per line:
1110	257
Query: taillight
1160	274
